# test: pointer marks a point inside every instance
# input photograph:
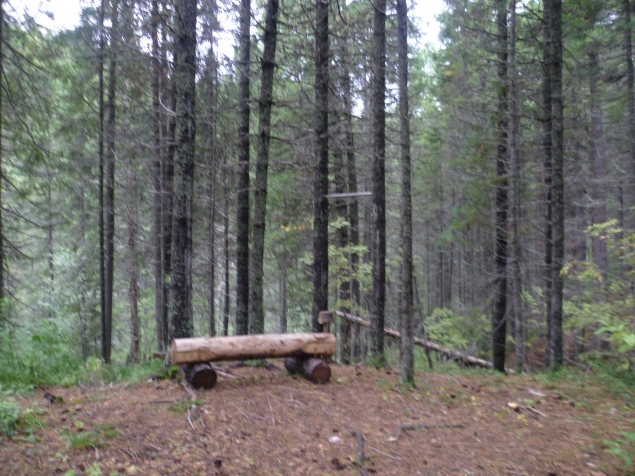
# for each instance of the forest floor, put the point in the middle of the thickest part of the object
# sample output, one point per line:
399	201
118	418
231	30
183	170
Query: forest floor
263	422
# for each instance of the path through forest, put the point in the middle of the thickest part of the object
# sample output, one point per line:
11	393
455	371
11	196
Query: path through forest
257	421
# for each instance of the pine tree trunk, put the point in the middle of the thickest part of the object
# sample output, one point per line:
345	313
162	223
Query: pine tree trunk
168	180
378	298
213	166
341	242
555	347
598	172
242	218
181	321
514	158
630	92
132	268
406	374
257	314
547	147
100	151
320	204
227	300
158	179
110	188
499	321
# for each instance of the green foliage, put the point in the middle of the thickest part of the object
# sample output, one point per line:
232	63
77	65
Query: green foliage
623	448
182	406
449	329
82	440
9	415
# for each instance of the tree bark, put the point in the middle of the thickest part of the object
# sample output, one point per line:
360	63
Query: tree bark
547	147
213	161
342	241
168	181
315	370
406	374
499	321
630	92
514	158
320	204
100	151
261	346
158	179
132	267
378	298
555	344
181	321
110	188
242	216
257	314
225	248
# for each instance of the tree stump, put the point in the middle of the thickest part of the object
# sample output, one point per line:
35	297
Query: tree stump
315	370
200	375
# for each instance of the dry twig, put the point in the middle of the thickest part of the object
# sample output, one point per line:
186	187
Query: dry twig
427	427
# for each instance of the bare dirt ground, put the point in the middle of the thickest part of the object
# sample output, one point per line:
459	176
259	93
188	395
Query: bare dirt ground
263	422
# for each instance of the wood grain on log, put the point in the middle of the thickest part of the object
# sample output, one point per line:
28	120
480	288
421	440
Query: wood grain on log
200	375
315	370
213	349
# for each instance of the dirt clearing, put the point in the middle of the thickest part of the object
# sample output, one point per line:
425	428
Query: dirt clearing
263	422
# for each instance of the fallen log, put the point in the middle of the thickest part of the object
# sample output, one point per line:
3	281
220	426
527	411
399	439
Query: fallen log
200	375
451	354
214	349
315	370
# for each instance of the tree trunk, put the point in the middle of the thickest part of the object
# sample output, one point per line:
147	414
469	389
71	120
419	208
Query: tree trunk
261	346
181	321
378	298
555	345
242	216
213	161
132	267
406	374
321	186
598	179
158	179
100	151
225	248
514	158
110	188
630	92
168	183
342	241
283	299
499	321
315	370
547	146
257	314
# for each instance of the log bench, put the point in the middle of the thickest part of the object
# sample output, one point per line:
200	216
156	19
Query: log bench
302	353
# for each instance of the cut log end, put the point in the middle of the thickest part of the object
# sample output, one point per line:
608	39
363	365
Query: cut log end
200	375
315	370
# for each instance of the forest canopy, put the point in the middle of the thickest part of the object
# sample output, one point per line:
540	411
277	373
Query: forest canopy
477	193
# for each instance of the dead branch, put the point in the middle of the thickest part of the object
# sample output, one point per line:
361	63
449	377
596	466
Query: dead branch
360	451
449	353
427	427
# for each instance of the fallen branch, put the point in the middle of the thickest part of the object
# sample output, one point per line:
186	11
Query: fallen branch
427	427
451	354
360	451
189	420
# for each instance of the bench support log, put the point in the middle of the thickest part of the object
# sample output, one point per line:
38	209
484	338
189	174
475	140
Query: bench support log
315	370
200	375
